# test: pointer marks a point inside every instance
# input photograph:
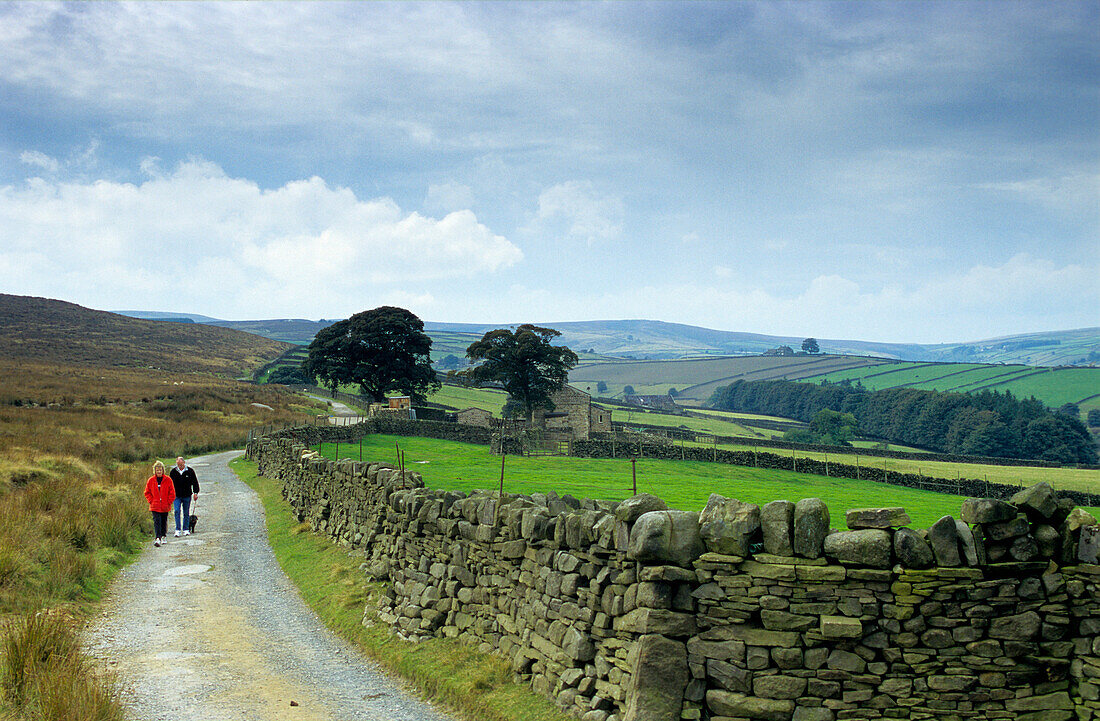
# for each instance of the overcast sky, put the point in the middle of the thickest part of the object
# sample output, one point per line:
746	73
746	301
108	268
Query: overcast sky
901	171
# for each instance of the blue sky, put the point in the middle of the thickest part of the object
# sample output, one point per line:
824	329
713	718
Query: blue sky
901	171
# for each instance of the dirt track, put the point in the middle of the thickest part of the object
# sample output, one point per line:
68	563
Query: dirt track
209	628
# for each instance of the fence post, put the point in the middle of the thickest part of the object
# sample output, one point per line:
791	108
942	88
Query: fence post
634	474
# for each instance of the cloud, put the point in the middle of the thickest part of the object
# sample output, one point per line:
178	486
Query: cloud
1075	195
953	308
581	211
41	160
196	236
446	197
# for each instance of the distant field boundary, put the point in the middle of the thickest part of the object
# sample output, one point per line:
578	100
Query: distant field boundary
618	448
693	436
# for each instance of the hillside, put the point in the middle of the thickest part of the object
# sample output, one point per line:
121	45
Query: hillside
655	340
40	329
696	380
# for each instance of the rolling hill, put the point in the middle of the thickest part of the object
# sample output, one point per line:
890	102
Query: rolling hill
656	340
45	330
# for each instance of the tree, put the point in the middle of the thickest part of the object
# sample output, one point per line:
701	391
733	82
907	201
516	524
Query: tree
810	345
833	428
525	363
1094	417
628	390
381	350
601	386
449	362
290	376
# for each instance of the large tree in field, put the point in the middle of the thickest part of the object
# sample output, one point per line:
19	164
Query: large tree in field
381	350
529	367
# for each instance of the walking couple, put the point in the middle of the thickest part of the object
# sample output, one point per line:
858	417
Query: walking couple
176	491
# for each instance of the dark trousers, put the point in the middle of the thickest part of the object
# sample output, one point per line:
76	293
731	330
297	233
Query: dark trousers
160	524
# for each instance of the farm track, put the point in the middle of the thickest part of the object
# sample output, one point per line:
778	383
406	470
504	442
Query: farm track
208	628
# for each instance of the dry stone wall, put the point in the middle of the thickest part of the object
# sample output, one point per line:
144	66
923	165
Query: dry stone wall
633	611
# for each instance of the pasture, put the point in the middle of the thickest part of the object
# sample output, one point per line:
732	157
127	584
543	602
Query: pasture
696	379
685	485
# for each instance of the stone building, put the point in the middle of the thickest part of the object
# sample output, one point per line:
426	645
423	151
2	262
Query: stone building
573	410
474	417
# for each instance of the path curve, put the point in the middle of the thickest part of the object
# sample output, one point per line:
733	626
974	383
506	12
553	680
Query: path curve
208	628
339	412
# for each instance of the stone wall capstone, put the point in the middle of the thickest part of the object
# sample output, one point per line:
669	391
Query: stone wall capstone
635	612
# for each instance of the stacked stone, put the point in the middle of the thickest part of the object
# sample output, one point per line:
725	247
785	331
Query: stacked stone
1083	587
540	579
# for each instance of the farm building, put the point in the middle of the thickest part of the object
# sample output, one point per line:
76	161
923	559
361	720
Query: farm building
474	417
399	406
664	402
573	410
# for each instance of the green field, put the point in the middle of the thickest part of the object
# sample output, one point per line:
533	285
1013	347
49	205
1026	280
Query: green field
696	379
460	398
1052	386
714	425
682	484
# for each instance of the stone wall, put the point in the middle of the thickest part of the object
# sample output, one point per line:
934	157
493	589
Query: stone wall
634	611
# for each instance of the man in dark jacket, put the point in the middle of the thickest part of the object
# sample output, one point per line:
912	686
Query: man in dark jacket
187	490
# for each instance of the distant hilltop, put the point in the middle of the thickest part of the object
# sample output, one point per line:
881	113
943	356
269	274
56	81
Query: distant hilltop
655	340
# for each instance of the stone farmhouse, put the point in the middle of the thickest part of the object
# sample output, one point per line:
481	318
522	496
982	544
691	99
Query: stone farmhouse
574	412
573	418
474	417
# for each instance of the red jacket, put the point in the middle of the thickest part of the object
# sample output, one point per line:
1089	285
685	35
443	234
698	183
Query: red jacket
160	499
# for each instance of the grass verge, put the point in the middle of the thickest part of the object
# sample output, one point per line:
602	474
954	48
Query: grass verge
475	685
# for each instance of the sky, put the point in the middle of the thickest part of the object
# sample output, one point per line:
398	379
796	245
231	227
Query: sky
887	171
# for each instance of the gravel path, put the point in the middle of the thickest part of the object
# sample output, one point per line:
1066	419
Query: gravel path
209	628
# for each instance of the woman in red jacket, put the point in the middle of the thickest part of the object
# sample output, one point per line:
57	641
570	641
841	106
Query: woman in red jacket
160	493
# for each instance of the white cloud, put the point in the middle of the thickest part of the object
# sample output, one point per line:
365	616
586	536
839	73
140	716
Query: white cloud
41	160
446	197
581	210
305	245
1076	194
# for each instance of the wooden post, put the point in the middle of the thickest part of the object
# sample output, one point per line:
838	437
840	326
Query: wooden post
634	474
884	472
857	466
398	452
794	462
826	464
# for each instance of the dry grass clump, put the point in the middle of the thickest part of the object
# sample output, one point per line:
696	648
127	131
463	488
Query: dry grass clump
44	675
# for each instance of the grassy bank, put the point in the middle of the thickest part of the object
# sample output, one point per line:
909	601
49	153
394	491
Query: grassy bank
476	685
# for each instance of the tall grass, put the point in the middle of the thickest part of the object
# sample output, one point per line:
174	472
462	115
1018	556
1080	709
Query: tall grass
76	445
44	675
